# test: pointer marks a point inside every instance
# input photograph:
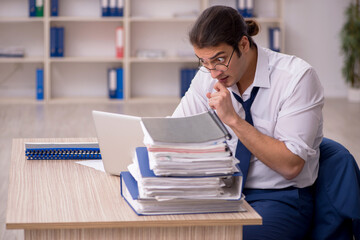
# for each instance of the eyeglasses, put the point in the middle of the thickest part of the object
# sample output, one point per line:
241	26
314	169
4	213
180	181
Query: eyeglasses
217	67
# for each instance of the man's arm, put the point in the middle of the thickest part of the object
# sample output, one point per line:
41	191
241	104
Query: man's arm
270	151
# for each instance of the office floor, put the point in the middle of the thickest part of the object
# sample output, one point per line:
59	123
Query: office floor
341	120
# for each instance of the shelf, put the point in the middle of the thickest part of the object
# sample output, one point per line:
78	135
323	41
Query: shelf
164	60
86	60
22	60
162	19
20	101
85	100
266	20
152	99
20	19
86	19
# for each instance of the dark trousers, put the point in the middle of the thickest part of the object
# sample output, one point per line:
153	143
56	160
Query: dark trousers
286	213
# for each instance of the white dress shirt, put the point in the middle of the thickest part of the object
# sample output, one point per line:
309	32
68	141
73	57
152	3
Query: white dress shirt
288	107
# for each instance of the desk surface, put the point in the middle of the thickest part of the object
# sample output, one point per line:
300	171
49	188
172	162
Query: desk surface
61	194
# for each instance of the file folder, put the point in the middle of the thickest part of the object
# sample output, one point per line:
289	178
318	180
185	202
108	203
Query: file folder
105	11
39	8
39	84
112	82
119	42
120	83
54	8
32	8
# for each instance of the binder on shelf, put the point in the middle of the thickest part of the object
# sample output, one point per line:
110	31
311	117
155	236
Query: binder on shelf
249	10
60	42
105	10
57	35
39	8
245	8
240	4
274	38
112	83
62	151
113	8
119	42
39	84
53	40
120	8
54	8
32	8
120	83
186	76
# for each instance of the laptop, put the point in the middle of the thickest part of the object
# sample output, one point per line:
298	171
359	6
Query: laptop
118	136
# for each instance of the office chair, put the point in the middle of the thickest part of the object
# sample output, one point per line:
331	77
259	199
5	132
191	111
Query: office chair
337	195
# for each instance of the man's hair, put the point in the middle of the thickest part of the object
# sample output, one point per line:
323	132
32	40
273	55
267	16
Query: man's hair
222	24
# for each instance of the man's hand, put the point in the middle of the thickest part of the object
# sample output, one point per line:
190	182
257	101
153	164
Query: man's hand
221	102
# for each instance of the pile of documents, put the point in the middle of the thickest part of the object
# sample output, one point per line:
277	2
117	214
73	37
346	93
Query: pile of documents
178	172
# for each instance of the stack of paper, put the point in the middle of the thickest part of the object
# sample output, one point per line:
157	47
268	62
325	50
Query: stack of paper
179	172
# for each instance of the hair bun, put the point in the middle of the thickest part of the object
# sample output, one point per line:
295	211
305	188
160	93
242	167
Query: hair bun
252	27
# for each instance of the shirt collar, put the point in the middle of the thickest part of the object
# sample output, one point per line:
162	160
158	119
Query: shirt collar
262	73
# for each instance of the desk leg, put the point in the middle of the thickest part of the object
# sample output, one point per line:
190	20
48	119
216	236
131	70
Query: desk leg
176	233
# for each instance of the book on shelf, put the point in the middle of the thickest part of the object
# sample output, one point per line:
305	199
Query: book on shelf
54	8
39	8
115	83
274	38
40	84
119	42
32	8
62	151
57	35
186	76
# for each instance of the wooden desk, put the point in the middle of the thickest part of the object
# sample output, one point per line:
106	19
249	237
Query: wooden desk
60	199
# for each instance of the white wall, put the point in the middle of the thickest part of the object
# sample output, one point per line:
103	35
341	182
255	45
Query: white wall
312	32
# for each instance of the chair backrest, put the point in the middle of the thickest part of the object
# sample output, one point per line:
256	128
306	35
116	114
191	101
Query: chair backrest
337	194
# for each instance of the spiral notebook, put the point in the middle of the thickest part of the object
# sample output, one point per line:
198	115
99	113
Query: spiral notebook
62	151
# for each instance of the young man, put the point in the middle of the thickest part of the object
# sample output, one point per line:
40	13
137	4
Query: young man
282	132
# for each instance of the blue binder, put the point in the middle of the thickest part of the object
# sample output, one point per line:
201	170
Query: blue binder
53	42
241	7
62	151
249	10
120	83
39	84
54	8
105	10
186	76
112	82
274	38
60	42
113	8
120	8
32	8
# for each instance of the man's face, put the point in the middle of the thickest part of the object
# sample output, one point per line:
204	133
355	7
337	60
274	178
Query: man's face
224	54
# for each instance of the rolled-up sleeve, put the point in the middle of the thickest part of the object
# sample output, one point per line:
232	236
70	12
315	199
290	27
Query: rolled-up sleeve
299	123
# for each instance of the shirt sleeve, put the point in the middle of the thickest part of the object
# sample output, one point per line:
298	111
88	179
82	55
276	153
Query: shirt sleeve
299	124
195	100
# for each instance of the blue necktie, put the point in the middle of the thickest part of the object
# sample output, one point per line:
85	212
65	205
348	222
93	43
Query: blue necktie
242	153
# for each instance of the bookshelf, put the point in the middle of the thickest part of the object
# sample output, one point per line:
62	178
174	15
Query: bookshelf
81	75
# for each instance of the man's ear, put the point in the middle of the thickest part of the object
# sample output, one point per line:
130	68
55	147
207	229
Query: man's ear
244	44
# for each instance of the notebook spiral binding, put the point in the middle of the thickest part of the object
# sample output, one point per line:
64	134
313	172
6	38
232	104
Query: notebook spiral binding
62	153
